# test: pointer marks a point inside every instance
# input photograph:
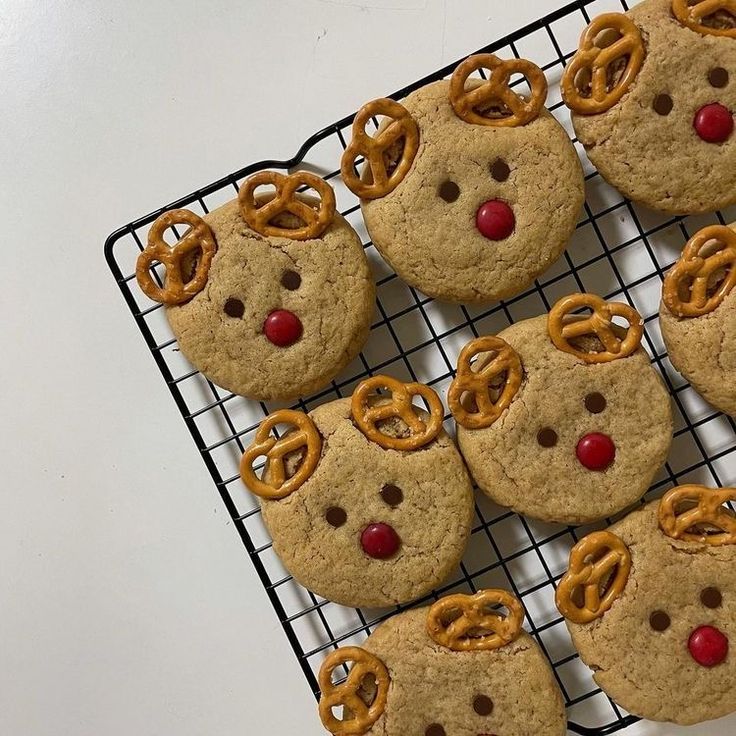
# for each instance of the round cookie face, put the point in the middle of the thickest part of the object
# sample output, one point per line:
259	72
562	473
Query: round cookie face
434	686
529	459
426	227
639	648
321	291
420	501
646	145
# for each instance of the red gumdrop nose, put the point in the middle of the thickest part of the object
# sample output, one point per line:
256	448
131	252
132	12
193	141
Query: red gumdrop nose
380	541
282	328
495	219
713	123
596	451
708	646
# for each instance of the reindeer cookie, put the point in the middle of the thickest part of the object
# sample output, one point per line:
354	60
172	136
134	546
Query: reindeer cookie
367	499
470	191
269	296
651	606
652	93
562	417
458	668
698	315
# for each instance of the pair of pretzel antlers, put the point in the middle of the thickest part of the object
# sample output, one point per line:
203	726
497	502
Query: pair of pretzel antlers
600	563
611	53
489	370
390	153
704	275
369	412
458	622
196	248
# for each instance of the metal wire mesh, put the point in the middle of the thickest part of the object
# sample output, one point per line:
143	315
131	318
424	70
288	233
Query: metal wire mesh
620	250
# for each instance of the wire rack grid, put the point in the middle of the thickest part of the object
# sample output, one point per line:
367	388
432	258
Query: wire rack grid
619	250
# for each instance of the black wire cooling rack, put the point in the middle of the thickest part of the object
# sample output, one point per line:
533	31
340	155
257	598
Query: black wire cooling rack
620	250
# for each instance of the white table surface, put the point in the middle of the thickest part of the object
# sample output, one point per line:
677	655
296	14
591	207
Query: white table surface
127	605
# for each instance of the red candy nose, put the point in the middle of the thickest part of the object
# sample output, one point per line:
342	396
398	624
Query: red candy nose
708	646
713	123
596	451
495	219
380	541
282	328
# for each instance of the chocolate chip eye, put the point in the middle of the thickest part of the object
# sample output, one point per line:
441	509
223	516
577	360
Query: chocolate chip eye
659	621
291	280
718	77
547	437
482	705
711	597
234	307
449	191
662	104
595	403
336	516
500	170
392	495
434	730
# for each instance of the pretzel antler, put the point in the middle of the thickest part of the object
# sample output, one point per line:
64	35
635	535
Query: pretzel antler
495	92
367	414
685	510
275	484
563	328
348	693
260	215
595	560
470	622
686	286
196	247
386	175
480	384
600	63
706	16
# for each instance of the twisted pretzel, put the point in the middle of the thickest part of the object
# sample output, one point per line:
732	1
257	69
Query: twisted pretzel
479	383
592	561
691	276
463	622
259	216
599	323
495	91
694	14
367	414
374	149
598	61
347	693
275	484
685	507
177	287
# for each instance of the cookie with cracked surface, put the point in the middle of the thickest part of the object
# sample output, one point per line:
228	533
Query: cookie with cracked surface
408	682
287	299
701	338
660	129
364	512
562	417
488	197
657	638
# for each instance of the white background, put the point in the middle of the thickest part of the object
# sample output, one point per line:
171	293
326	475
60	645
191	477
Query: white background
127	605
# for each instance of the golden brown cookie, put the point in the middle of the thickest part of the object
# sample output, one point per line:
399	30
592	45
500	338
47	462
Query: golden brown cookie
491	196
701	339
659	646
367	525
652	102
277	314
583	432
403	681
